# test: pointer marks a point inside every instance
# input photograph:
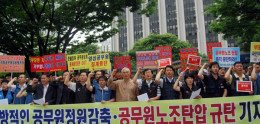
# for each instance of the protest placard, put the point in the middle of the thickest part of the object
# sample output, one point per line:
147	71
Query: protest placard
226	57
165	52
194	60
244	86
147	59
99	62
164	62
37	64
77	61
255	52
184	54
55	62
210	49
12	63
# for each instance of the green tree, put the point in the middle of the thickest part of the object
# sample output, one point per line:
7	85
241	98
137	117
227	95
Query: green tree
113	54
82	48
155	40
41	27
236	19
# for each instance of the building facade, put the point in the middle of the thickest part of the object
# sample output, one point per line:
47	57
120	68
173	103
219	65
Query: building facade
183	18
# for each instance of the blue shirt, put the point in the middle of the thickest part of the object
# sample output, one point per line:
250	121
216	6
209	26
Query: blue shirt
102	94
258	83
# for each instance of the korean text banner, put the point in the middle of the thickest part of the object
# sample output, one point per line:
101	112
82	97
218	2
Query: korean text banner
255	52
55	62
77	61
210	49
99	62
165	52
184	54
12	63
226	57
37	64
121	62
239	110
147	59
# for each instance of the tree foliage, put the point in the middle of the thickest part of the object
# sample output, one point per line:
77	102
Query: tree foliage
41	27
155	40
113	54
236	19
83	48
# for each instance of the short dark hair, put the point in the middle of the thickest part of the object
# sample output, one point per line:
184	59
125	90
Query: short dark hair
148	69
100	71
118	70
104	77
4	81
169	66
46	74
83	72
213	63
7	75
258	63
188	74
238	63
222	67
194	72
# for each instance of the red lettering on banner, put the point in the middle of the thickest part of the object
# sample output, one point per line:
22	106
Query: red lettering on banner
136	114
124	115
217	114
229	108
174	112
257	47
148	114
201	109
187	110
105	63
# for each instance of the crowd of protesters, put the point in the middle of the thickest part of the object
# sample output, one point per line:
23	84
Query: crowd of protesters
99	87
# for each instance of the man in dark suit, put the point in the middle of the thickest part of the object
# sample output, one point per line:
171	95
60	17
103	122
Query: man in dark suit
44	90
64	94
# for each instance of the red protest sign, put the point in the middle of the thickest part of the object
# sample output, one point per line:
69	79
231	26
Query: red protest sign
210	49
147	59
244	86
184	54
164	62
55	62
165	52
122	61
194	60
37	64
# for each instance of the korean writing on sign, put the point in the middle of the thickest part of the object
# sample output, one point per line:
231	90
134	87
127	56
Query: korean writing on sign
210	49
226	57
11	63
77	61
194	60
165	52
255	52
122	61
37	64
184	54
99	62
147	59
91	115
243	109
164	62
55	62
244	86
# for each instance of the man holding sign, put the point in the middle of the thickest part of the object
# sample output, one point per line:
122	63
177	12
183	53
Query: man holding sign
237	76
